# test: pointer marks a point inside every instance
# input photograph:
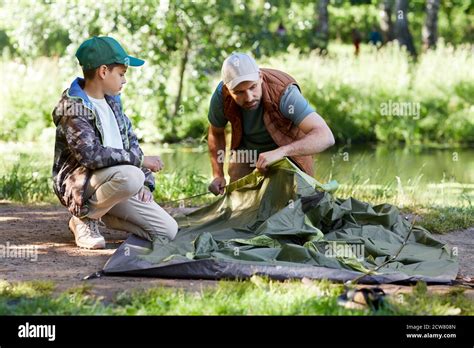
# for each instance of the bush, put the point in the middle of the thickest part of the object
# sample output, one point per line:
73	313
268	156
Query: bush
348	92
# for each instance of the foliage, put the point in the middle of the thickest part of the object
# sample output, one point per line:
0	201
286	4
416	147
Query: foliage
433	95
348	92
257	296
184	43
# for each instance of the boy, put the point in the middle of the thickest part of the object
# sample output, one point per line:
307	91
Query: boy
99	170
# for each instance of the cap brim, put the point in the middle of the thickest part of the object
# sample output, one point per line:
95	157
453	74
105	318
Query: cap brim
250	77
132	61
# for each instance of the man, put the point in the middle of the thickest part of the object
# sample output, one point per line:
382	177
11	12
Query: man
270	120
99	170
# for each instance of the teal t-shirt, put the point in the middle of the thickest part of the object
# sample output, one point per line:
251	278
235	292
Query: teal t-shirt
255	135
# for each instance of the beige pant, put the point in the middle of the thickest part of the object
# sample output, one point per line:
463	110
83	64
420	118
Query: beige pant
111	195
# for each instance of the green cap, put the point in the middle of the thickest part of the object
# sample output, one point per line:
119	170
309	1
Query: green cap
103	50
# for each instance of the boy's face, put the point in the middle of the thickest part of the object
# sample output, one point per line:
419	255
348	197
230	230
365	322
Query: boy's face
112	79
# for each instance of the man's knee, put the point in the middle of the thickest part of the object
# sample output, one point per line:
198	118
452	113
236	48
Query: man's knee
130	179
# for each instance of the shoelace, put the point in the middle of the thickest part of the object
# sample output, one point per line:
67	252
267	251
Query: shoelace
94	227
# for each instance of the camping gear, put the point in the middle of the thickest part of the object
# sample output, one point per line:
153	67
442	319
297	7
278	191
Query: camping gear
286	224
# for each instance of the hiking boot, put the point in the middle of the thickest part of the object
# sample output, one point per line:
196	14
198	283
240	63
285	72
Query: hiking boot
86	232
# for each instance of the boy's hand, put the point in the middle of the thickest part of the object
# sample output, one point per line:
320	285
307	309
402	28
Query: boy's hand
145	195
154	163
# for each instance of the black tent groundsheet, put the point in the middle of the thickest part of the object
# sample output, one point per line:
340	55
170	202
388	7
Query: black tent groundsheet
285	224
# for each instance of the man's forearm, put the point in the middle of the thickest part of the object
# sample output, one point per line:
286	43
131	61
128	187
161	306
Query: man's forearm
216	144
313	142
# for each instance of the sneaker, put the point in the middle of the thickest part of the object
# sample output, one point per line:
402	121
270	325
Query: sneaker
86	232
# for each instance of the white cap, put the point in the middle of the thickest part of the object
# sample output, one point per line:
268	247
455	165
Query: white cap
237	68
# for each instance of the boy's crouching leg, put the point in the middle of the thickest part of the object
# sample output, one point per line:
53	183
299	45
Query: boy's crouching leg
147	220
129	180
110	186
167	229
106	188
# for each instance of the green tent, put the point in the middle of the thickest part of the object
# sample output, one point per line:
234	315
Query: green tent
288	225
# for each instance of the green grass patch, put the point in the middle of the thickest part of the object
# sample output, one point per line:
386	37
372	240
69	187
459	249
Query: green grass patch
27	184
182	184
350	93
444	219
257	296
25	289
32	183
37	298
420	302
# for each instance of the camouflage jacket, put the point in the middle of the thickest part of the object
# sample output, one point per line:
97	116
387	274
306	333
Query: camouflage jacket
79	150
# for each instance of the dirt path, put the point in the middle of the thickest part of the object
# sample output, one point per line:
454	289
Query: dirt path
59	260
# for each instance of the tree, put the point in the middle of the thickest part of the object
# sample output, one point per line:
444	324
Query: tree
386	24
402	31
430	28
322	27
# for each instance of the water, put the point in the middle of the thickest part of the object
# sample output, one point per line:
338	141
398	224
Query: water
375	165
400	175
416	175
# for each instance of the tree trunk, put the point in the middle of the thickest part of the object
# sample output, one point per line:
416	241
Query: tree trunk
430	29
402	31
386	25
322	28
182	69
178	109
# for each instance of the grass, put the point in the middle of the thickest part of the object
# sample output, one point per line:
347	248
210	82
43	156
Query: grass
444	219
25	177
179	185
27	183
257	296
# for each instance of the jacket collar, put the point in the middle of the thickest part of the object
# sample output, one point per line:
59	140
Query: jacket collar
76	91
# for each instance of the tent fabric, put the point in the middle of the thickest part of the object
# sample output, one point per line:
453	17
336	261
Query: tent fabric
286	224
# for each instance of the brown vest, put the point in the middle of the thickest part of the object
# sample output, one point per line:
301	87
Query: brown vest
281	129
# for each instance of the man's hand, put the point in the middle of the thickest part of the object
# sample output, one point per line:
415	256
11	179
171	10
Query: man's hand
265	158
217	186
154	163
145	195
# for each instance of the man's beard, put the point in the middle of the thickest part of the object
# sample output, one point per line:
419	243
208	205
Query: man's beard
251	106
